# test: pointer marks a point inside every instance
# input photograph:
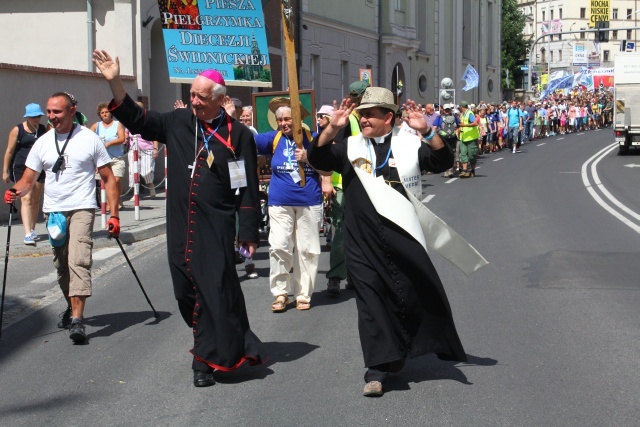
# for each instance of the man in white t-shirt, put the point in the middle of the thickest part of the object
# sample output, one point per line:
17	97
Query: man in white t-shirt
69	154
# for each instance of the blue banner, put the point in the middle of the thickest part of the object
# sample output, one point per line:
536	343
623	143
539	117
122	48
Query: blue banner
225	35
559	83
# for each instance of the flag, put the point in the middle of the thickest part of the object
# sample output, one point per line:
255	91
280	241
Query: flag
559	83
545	28
470	77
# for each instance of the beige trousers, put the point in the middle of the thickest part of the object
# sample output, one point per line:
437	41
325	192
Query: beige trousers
73	259
294	227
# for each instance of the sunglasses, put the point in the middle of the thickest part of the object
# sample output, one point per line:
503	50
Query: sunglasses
321	116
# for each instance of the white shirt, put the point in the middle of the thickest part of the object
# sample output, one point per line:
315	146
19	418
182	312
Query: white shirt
73	187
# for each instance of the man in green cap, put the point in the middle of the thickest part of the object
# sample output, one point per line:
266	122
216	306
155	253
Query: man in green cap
332	190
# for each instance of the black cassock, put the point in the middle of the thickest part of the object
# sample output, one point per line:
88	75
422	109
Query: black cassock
201	224
403	310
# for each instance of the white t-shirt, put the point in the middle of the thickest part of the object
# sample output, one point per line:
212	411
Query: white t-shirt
73	187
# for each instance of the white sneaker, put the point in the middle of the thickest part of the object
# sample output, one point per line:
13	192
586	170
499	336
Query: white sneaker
34	235
152	191
514	150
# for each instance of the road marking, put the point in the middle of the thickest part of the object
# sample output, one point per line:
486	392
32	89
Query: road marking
597	184
542	143
105	253
498	159
580	134
428	198
632	165
451	180
559	138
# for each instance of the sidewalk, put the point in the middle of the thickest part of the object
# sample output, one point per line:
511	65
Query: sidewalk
152	223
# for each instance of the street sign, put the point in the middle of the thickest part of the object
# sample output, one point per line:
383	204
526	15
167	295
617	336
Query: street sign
631	46
524	68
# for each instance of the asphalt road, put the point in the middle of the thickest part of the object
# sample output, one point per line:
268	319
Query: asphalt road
550	325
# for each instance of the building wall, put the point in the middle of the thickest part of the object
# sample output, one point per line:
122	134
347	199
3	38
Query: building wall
572	21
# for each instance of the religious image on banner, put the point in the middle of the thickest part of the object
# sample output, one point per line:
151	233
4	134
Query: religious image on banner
366	75
227	36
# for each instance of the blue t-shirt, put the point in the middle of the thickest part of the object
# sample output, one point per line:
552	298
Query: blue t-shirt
513	117
282	190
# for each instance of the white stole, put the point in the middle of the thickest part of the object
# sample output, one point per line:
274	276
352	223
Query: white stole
411	215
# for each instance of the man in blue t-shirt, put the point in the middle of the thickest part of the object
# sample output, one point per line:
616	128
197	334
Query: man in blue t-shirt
295	213
514	125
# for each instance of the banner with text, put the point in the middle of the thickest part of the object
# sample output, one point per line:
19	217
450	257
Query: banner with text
599	11
228	36
580	54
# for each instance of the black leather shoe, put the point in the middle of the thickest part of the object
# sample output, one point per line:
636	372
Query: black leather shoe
203	379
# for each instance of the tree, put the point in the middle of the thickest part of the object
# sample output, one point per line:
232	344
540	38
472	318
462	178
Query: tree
514	46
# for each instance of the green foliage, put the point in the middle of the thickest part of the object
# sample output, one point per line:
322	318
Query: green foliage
238	73
266	75
514	46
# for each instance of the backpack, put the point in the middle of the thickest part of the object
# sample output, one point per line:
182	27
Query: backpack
449	125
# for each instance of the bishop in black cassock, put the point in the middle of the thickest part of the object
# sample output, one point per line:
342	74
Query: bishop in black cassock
203	145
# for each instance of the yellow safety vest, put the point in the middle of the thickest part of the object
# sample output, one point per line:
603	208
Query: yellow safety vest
468	133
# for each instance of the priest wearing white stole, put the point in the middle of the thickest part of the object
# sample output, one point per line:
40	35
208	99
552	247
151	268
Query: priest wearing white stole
403	309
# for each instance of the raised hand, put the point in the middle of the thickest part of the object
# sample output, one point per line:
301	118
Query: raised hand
340	116
415	118
109	67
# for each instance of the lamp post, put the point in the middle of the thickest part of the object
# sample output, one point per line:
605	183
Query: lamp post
635	22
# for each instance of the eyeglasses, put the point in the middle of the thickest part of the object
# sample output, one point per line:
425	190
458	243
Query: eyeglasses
321	116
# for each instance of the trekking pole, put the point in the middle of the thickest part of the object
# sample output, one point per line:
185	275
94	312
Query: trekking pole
6	261
155	313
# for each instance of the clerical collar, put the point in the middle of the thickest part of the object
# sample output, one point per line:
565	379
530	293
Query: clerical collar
211	120
380	139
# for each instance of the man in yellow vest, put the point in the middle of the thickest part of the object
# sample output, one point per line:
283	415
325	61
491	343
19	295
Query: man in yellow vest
332	185
469	135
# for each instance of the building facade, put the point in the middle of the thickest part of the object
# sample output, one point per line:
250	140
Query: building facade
562	52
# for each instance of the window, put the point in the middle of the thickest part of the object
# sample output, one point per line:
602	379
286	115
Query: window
551	14
559	55
344	76
605	56
543	16
551	56
530	29
559	36
615	14
629	34
582	35
400	5
530	10
614	34
629	13
583	12
559	13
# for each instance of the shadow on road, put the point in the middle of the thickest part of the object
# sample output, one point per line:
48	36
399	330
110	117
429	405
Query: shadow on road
430	368
116	322
277	352
40	406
